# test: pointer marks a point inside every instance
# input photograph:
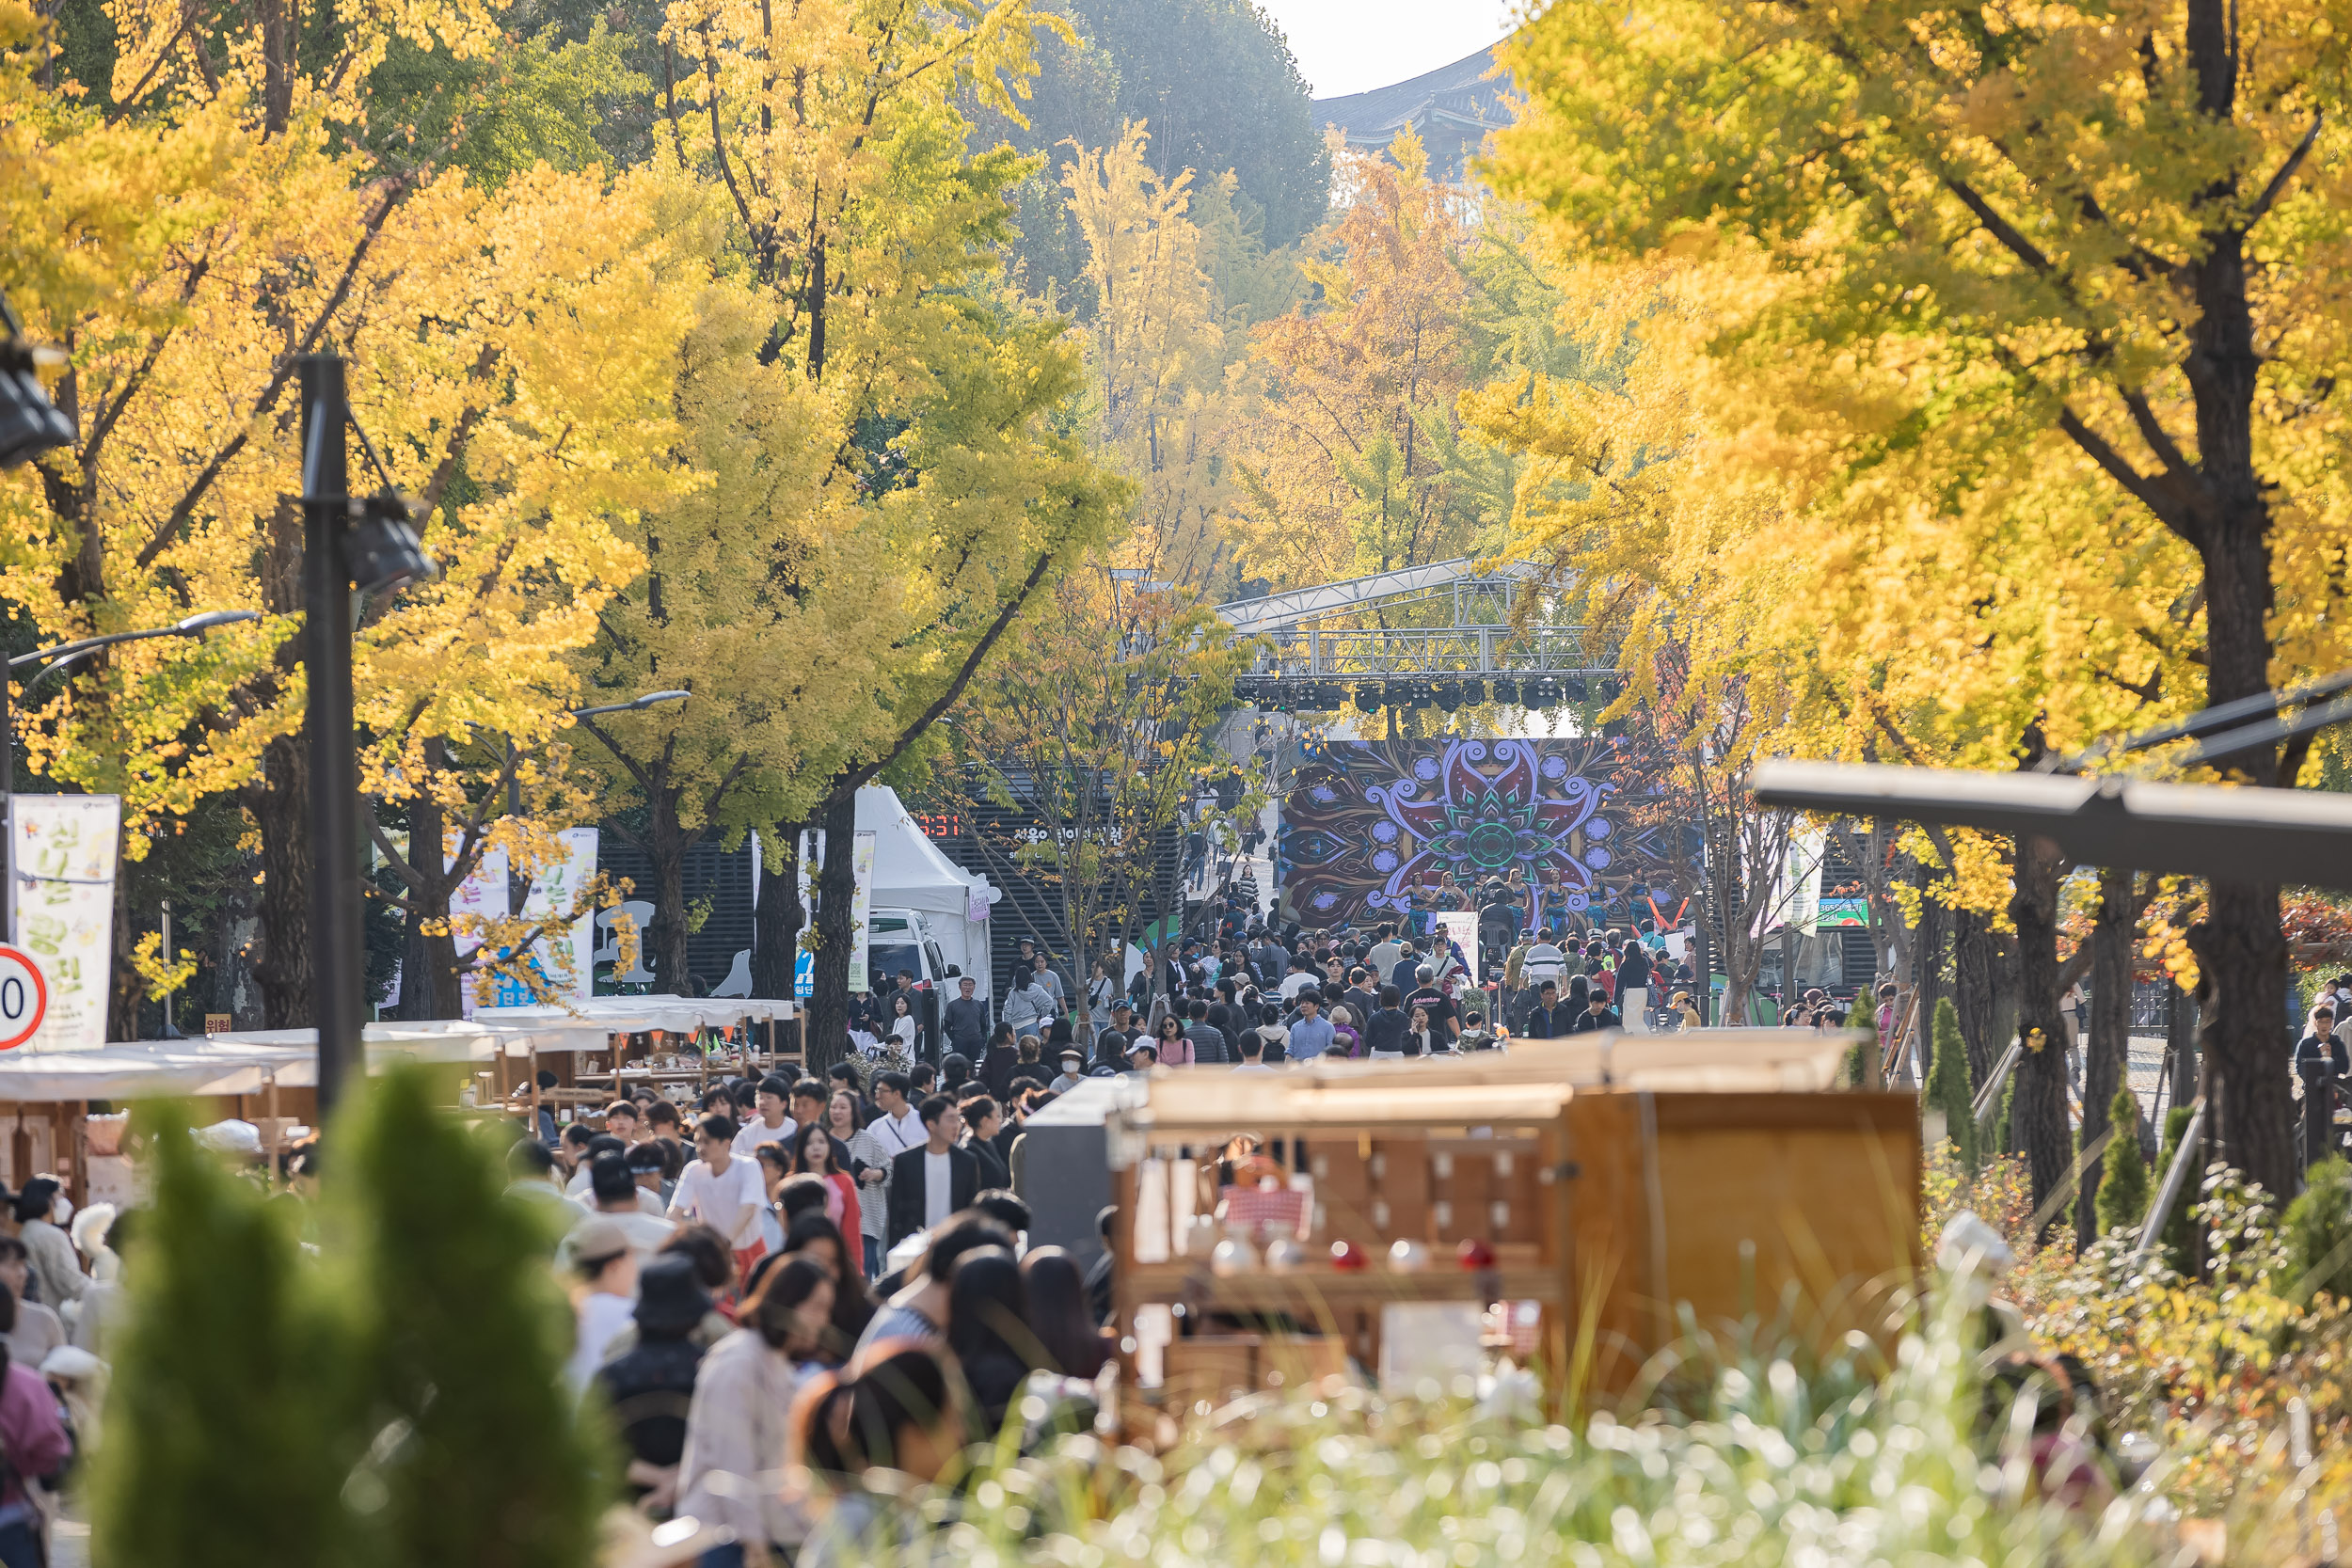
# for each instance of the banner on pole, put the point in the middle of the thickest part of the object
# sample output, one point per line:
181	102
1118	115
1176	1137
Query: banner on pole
61	909
861	905
1461	926
483	893
561	956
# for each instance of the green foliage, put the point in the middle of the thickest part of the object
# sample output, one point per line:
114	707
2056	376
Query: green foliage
1948	1085
226	1417
2179	1228
2004	1129
542	100
1762	1463
2123	1198
465	1339
1213	81
2319	1230
400	1403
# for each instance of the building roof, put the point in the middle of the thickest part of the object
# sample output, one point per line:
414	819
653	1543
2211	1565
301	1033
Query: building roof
1469	95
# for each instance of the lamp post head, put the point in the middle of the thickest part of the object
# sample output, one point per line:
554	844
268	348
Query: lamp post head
196	625
652	699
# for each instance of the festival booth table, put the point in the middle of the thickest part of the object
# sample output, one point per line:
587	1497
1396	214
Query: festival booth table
678	1044
49	1092
1570	1200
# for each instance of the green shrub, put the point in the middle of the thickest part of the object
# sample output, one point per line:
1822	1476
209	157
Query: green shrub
1948	1085
227	1428
466	1335
2319	1231
2123	1198
397	1404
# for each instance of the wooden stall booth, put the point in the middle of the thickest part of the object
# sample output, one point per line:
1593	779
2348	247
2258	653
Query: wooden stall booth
1569	1200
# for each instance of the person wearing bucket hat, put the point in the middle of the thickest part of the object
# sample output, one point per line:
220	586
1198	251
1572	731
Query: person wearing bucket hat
605	1263
650	1387
1074	1071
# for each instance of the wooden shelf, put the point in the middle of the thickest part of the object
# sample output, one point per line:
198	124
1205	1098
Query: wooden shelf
1300	1291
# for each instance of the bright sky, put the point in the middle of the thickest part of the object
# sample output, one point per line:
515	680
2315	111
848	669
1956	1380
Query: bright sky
1345	47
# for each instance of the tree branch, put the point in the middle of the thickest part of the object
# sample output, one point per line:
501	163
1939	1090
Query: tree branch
2277	186
187	504
850	781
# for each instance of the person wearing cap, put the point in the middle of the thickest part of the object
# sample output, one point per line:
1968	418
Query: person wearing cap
771	1121
1144	1058
57	1276
650	1387
614	1188
1112	1044
605	1264
1074	1071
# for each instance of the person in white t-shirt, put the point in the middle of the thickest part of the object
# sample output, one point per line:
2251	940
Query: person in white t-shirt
772	1125
722	1191
602	1255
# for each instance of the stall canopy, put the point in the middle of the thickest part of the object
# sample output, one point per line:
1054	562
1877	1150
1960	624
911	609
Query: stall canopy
247	1061
910	873
632	1015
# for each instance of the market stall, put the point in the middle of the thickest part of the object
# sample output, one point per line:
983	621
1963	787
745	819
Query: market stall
1569	1200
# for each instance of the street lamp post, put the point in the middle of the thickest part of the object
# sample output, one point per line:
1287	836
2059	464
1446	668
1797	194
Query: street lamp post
57	658
348	543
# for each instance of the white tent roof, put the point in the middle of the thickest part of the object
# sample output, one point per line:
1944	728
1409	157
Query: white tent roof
910	873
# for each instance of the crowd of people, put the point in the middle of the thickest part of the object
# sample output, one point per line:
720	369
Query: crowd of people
799	1298
60	1293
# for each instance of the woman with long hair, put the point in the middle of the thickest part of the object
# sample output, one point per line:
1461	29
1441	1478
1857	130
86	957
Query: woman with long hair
738	1425
815	1154
1059	1315
904	1031
812	1235
896	1413
988	1331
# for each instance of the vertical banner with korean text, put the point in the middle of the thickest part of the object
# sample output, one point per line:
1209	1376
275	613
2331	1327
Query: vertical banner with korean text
482	893
61	907
861	906
561	956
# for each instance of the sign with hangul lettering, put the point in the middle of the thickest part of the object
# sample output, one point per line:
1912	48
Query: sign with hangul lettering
61	906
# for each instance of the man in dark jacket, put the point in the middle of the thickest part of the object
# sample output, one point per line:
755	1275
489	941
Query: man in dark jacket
965	1020
1548	1020
2323	1064
1208	1041
934	1179
1596	1016
1383	1034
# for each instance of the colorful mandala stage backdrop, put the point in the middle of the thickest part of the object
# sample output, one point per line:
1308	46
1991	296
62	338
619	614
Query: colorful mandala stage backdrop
1369	818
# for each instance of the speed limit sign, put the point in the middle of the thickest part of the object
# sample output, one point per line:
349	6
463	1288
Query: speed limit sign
23	997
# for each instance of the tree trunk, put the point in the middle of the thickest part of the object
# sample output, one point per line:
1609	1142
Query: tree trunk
1976	953
2107	1044
837	890
281	805
1926	971
2240	947
428	963
122	1007
2180	1039
2039	1119
665	846
777	922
